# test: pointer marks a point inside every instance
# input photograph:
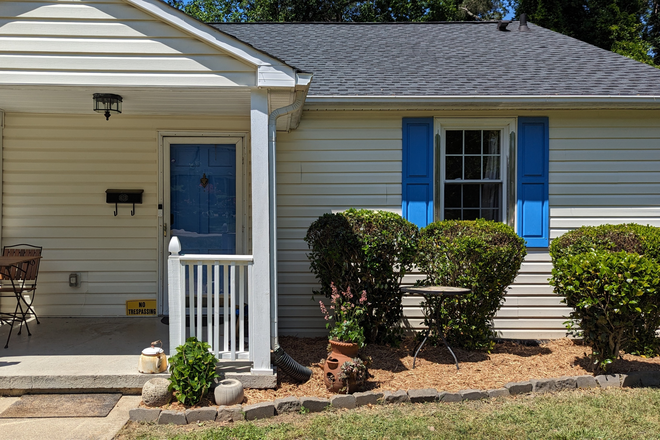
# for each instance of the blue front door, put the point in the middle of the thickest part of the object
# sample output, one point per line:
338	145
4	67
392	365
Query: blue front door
203	197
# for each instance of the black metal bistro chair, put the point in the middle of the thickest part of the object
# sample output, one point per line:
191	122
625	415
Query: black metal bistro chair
17	281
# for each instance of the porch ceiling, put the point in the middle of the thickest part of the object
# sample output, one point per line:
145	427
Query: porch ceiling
136	101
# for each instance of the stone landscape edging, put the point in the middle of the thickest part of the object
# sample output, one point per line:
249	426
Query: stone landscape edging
349	401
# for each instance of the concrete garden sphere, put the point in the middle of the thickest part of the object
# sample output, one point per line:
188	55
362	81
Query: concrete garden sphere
228	392
155	393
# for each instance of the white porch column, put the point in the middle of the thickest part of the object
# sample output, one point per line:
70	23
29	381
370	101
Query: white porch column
260	303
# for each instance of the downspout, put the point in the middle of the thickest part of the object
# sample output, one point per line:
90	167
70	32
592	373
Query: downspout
272	208
283	361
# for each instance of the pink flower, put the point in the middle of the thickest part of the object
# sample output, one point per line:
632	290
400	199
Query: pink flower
323	309
363	297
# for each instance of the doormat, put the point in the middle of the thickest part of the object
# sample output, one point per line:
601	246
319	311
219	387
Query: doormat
61	405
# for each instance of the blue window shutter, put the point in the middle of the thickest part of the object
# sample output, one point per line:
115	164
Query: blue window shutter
417	171
533	161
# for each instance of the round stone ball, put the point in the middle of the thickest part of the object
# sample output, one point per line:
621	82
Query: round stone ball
155	393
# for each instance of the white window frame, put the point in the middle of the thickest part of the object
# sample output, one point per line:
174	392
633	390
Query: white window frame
507	126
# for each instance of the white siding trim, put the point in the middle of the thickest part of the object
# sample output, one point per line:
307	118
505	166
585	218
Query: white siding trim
271	72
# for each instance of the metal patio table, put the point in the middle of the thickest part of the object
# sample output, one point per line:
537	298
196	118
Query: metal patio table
440	292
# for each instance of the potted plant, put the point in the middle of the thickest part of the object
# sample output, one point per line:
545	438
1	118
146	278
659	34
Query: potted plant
343	371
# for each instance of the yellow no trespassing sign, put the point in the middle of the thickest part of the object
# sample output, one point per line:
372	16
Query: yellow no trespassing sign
141	307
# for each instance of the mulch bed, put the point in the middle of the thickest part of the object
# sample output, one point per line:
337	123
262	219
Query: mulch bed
391	367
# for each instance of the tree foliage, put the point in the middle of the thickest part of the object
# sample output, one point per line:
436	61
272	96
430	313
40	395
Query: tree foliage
652	29
380	11
627	27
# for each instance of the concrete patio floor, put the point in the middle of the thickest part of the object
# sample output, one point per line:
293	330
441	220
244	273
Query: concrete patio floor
78	355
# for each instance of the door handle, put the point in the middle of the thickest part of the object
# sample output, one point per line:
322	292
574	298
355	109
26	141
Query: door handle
164	229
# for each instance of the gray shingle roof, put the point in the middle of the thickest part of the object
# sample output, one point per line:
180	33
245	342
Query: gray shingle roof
444	59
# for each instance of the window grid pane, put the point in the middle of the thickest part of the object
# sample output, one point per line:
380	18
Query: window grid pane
473	187
468	201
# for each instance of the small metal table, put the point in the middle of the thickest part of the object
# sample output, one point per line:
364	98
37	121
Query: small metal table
439	292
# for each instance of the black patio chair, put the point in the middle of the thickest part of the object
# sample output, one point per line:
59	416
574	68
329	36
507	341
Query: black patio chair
17	281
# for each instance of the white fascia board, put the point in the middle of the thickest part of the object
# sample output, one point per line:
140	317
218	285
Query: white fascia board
481	102
270	71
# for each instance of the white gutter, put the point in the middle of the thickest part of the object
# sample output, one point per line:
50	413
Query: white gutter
272	207
472	102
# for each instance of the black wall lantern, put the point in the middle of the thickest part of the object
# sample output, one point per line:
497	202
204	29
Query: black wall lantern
107	103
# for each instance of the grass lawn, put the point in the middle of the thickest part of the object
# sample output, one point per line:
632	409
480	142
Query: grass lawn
609	414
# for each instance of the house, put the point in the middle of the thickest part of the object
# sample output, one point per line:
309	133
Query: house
432	120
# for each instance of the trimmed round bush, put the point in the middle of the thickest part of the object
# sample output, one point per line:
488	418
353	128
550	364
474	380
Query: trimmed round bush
630	237
365	250
614	296
484	256
610	276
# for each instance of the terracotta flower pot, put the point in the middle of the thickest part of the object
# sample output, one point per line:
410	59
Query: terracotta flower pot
341	352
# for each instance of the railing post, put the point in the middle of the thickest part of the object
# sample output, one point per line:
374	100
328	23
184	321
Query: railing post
176	296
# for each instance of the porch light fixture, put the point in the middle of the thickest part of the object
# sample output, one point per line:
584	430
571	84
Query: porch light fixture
107	103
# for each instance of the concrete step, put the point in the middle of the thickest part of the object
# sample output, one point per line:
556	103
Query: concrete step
72	374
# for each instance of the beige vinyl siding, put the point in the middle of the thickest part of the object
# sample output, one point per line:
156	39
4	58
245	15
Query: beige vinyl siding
106	43
604	168
56	169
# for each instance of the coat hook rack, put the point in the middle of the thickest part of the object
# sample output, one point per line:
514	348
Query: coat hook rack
128	196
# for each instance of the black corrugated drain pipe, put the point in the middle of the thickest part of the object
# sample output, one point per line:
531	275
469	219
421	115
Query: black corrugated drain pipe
286	363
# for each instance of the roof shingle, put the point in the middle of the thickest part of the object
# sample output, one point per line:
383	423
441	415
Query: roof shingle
446	59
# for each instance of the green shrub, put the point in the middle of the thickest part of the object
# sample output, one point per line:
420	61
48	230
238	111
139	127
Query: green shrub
631	238
624	240
365	251
192	371
481	255
614	296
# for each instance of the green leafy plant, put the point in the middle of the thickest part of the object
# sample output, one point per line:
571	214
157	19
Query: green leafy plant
483	256
631	238
192	371
610	276
365	251
614	297
344	318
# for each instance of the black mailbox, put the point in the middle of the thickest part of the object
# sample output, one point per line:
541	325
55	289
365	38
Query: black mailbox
117	196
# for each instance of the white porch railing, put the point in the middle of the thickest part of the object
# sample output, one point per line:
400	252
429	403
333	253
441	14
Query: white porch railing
220	287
